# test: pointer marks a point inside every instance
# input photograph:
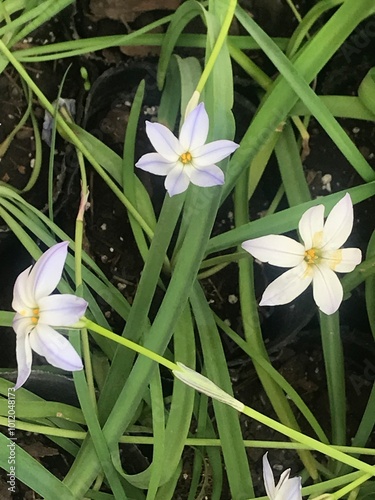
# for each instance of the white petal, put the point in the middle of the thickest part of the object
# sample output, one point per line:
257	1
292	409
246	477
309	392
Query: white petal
61	310
344	260
165	143
208	176
287	286
269	482
194	130
155	164
177	181
276	249
55	348
213	152
22	298
327	289
339	224
46	273
290	489
24	359
310	225
22	325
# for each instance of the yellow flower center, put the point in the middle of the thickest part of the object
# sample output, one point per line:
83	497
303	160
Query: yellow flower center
35	316
311	256
186	158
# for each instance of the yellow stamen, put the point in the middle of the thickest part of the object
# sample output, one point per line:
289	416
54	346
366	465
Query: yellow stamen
311	256
35	317
186	158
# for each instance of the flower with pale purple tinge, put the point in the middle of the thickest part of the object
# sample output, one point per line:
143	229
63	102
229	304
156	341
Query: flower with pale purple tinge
286	489
37	311
315	261
186	159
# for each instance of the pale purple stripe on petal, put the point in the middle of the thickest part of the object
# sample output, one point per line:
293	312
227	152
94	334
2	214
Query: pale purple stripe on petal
46	273
57	350
61	310
213	152
164	142
194	130
24	359
155	164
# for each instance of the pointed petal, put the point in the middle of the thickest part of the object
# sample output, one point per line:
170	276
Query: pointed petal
287	286
177	180
165	143
155	164
46	273
290	489
344	260
339	224
22	298
327	289
57	350
213	152
276	249
194	130
24	359
61	310
208	176
268	479
310	225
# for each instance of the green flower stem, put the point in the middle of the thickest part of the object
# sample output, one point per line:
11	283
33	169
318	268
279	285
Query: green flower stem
335	373
232	4
65	129
79	231
351	486
212	442
326	449
252	330
129	344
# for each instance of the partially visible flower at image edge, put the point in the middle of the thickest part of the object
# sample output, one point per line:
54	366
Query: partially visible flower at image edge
286	489
315	261
37	311
186	159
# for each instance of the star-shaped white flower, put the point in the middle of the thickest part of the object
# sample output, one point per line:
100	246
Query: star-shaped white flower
286	489
37	311
186	159
316	260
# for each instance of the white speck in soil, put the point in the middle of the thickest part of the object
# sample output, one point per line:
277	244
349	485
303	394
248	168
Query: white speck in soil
355	130
32	163
326	182
111	249
232	299
103	227
104	258
108	314
121	286
121	238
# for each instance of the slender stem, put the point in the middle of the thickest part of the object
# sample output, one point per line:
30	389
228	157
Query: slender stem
218	45
130	345
335	373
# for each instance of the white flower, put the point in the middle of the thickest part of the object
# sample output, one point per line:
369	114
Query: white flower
36	310
316	260
286	489
186	159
